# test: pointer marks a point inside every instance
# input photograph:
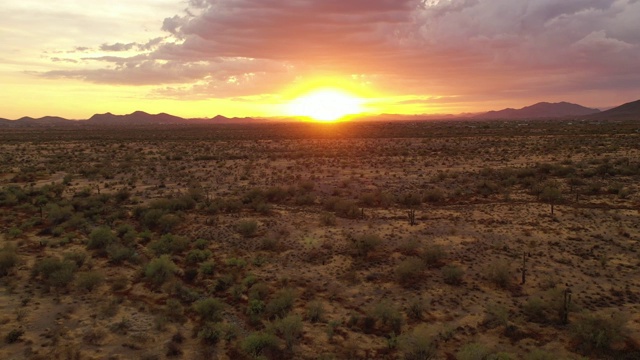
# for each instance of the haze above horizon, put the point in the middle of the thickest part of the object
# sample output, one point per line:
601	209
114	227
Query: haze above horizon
204	57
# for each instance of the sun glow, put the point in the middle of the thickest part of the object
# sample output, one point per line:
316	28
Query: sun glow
326	105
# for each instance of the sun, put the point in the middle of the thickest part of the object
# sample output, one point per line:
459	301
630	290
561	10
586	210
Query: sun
326	105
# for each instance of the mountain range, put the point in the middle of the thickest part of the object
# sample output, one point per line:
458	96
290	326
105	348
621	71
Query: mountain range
628	111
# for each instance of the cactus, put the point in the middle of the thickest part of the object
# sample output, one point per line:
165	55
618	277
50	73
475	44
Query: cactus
412	217
524	267
566	305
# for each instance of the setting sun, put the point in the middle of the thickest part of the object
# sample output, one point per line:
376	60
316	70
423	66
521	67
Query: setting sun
326	105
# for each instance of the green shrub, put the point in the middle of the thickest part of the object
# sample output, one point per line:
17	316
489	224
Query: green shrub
538	354
247	228
100	238
259	291
167	222
388	315
596	333
473	351
160	270
119	253
8	259
89	280
290	328
197	255
434	255
418	344
416	308
409	271
281	303
366	243
169	244
210	333
208	267
259	343
452	274
500	273
55	272
209	309
315	311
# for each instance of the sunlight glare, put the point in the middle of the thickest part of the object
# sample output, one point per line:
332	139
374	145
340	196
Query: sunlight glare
326	105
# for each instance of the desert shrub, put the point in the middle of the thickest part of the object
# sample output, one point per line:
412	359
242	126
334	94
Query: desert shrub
328	219
13	232
315	311
58	214
290	328
473	351
197	255
236	262
247	228
167	222
342	207
388	315
259	343
89	280
366	243
416	308
434	196
538	354
259	291
597	333
409	246
159	270
418	344
499	272
210	333
151	218
100	238
208	267
119	253
410	199
8	259
495	315
434	255
255	309
281	303
409	271
55	272
169	244
535	309
209	309
13	336
452	274
201	244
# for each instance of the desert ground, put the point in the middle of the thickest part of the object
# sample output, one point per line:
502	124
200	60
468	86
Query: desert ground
414	240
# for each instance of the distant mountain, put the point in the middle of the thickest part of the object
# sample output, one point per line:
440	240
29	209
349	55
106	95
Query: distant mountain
628	111
136	118
540	110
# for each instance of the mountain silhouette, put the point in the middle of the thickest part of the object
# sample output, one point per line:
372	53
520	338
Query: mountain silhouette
628	111
540	110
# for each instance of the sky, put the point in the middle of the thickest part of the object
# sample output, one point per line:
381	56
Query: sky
200	58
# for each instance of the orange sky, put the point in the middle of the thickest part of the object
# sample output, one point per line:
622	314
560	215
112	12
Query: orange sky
200	58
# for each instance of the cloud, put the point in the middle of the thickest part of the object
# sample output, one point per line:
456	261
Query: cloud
445	47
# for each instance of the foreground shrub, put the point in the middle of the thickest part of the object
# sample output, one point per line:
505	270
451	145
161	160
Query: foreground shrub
409	271
169	244
259	343
281	303
8	259
434	255
366	243
418	344
100	238
596	333
55	272
89	280
499	272
290	328
209	309
160	270
452	274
